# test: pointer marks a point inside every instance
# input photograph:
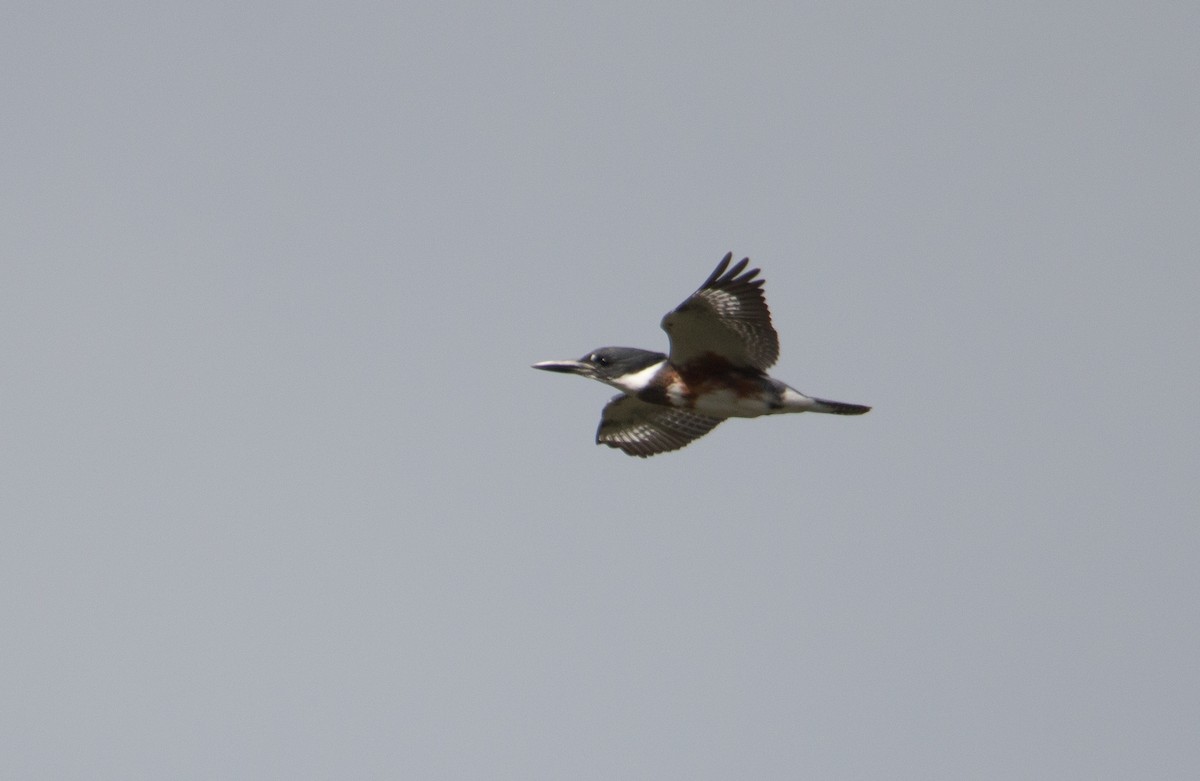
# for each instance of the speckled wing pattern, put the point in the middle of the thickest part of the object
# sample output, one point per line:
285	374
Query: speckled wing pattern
728	317
641	429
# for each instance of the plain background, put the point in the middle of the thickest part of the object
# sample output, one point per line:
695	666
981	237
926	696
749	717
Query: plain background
281	497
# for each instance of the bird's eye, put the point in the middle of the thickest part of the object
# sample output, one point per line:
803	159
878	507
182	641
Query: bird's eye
599	360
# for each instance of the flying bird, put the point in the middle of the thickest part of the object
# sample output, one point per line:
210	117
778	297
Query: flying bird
722	343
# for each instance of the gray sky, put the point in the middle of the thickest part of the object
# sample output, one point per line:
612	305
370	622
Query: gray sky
281	497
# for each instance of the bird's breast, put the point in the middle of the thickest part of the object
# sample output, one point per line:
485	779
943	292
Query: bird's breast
714	387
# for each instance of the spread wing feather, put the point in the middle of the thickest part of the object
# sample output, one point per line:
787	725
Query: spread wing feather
726	317
641	429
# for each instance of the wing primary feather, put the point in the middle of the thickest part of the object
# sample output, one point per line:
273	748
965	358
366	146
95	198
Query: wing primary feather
718	271
731	275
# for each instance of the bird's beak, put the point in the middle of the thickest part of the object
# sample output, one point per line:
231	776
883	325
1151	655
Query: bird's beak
566	367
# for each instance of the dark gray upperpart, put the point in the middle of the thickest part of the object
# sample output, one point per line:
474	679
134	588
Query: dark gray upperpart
606	363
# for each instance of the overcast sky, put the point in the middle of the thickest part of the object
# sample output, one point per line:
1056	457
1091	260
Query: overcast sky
282	498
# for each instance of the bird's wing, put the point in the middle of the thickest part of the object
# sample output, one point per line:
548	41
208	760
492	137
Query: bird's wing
642	429
727	318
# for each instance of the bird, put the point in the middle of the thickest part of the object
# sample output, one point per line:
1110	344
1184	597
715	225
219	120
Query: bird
721	344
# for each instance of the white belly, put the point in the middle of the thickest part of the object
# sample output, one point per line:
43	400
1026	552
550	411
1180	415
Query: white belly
727	404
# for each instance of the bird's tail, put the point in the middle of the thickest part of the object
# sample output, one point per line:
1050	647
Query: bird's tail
838	407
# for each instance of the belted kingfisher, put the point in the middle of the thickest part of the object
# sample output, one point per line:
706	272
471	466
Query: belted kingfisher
722	343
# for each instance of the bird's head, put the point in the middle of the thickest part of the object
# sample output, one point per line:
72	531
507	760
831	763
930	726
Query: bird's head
607	364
